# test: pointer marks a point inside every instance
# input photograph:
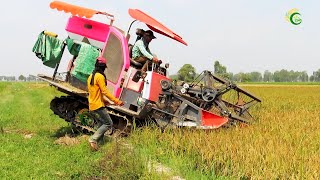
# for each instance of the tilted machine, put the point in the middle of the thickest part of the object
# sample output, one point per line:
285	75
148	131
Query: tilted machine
209	102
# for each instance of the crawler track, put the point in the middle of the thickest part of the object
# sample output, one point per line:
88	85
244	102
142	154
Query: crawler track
69	107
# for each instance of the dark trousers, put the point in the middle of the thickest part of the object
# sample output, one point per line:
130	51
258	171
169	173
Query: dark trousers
104	122
145	61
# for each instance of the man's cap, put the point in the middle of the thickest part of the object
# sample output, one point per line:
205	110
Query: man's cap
101	61
149	33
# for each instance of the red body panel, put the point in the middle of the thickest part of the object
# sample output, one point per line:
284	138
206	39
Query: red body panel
152	87
155	88
211	120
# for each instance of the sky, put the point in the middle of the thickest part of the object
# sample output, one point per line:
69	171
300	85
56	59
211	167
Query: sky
243	35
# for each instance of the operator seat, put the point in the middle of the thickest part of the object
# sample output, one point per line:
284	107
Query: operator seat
133	62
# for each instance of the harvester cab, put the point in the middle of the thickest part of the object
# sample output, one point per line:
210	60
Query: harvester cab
153	97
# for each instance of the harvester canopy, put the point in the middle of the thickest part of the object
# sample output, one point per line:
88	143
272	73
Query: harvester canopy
77	10
155	25
136	14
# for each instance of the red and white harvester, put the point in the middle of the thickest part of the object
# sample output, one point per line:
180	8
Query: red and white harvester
208	102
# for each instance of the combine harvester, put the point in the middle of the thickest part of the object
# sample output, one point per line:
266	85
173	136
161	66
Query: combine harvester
208	103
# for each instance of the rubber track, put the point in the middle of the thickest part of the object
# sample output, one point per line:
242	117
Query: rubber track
67	106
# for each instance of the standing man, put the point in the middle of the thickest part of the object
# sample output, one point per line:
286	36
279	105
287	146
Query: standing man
141	52
97	89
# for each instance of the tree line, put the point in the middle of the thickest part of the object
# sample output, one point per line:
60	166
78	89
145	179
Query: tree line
20	78
188	73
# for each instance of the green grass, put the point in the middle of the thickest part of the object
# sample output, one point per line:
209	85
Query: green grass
24	110
282	144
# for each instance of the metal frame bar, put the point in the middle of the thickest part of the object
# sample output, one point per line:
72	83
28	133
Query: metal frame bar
57	65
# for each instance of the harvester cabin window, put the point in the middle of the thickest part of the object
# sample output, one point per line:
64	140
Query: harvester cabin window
113	53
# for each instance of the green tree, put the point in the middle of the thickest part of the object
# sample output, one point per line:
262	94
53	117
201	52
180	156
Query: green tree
255	76
22	78
174	77
267	76
311	79
242	77
187	73
316	75
303	76
230	75
220	70
281	76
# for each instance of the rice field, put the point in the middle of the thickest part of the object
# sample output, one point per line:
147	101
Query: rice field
283	143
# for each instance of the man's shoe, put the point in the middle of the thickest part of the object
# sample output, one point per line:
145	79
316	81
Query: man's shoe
94	146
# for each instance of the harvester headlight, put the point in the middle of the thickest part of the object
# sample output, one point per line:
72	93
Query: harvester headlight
183	90
165	85
186	86
141	101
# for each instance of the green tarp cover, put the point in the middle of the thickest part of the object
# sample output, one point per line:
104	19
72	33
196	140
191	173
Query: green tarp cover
84	64
48	49
73	47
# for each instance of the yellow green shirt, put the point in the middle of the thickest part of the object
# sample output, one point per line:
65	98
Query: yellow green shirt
96	92
139	50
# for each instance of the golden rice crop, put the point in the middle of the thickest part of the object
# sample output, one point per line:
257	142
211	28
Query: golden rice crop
282	143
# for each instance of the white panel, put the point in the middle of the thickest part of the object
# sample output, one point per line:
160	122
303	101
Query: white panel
80	38
96	43
187	123
75	36
147	85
